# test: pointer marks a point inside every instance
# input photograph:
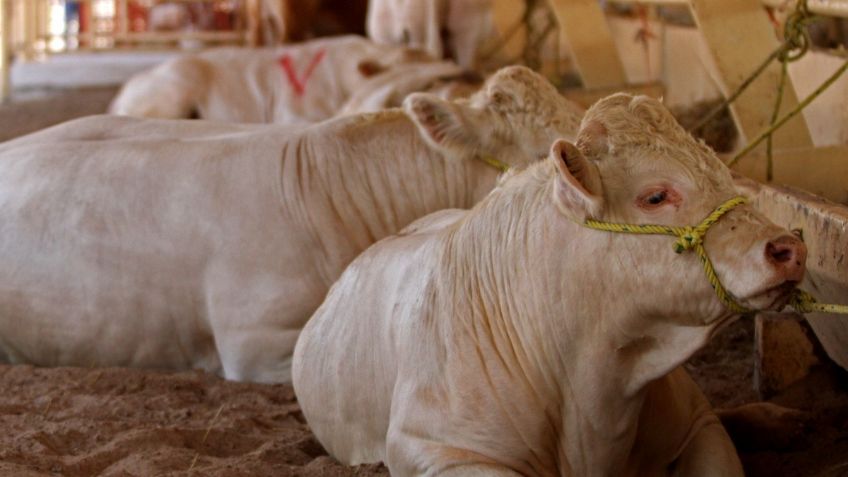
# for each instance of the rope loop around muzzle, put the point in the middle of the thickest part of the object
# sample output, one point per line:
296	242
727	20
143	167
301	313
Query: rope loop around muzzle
692	238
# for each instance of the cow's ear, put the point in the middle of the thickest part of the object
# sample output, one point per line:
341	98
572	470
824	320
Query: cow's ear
368	68
445	125
578	191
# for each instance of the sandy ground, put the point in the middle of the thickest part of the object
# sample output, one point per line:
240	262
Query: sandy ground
122	422
34	110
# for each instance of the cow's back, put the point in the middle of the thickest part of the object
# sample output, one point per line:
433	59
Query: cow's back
110	229
345	370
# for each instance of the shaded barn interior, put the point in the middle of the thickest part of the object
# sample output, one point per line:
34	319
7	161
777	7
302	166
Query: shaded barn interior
68	59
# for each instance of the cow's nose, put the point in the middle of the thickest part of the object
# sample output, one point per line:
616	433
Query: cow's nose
788	255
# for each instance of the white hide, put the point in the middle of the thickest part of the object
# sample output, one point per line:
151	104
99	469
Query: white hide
512	340
195	244
295	84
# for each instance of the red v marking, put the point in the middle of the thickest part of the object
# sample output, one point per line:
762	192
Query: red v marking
299	84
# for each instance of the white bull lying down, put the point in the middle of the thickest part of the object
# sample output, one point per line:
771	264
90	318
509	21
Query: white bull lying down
513	340
296	84
185	244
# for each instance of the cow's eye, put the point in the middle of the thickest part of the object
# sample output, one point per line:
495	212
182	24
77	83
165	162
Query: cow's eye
657	197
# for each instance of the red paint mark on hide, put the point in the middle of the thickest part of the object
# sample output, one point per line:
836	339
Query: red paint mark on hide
299	84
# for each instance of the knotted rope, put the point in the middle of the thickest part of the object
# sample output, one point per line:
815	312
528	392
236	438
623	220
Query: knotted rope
796	43
692	238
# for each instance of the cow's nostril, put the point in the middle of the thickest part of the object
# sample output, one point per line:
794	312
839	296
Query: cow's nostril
780	253
787	255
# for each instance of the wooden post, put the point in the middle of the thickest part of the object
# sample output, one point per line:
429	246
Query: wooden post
592	46
740	37
784	353
123	17
5	50
86	27
30	28
41	21
253	12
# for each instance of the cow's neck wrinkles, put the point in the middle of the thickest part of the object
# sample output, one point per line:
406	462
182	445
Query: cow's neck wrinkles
380	175
549	313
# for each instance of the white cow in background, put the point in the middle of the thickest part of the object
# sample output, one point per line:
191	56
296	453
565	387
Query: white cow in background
388	89
195	244
469	31
512	340
296	84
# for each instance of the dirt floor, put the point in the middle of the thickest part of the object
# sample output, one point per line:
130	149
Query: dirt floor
30	111
121	422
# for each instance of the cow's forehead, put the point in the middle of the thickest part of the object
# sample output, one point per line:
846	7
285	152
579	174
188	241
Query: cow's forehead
640	129
640	124
530	100
521	81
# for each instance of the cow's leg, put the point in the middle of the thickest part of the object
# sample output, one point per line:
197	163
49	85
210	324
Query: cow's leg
473	470
256	322
710	453
410	455
262	355
762	425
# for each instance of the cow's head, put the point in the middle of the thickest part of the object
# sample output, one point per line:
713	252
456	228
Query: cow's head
632	163
513	118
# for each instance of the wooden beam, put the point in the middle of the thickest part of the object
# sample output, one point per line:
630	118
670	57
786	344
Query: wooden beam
739	37
783	352
595	56
824	226
822	171
834	8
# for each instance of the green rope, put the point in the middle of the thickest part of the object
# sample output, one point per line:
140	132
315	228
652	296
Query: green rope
692	238
795	44
774	116
803	104
497	164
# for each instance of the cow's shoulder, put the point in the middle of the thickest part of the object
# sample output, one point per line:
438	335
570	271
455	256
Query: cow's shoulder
433	223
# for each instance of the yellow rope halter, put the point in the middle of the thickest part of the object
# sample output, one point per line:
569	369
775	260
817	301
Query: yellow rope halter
692	238
501	166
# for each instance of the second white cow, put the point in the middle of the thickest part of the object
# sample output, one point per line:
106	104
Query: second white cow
194	244
294	84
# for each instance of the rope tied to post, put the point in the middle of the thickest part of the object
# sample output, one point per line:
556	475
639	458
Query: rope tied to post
692	238
796	43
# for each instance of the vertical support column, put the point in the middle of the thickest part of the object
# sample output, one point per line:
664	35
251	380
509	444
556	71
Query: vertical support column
86	27
5	50
30	28
123	15
40	25
739	37
253	14
584	25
